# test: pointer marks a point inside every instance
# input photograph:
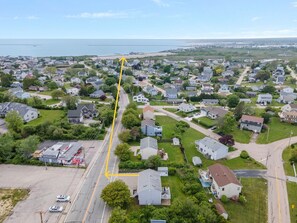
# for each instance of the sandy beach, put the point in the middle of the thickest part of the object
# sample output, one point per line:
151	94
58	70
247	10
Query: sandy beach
131	56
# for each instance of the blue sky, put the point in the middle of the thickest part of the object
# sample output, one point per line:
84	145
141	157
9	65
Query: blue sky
103	19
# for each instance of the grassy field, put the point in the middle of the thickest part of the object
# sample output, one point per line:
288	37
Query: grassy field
8	199
278	130
52	101
47	115
292	195
239	163
174	153
242	136
206	122
255	209
175	185
286	156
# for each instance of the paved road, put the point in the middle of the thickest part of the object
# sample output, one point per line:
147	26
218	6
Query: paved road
87	205
250	173
269	155
243	74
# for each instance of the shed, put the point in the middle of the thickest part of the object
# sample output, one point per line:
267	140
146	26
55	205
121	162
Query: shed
175	141
197	161
163	171
221	210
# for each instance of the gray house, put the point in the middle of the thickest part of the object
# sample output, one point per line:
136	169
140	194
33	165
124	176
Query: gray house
97	94
264	99
149	128
210	101
252	123
149	188
148	147
26	112
211	148
171	93
82	111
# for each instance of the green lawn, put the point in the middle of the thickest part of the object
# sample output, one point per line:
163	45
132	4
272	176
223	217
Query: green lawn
292	195
9	198
46	93
47	115
277	130
206	122
255	209
286	156
175	185
239	163
52	101
242	136
158	103
174	153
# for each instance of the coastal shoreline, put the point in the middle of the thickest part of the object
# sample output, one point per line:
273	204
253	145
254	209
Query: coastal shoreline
133	56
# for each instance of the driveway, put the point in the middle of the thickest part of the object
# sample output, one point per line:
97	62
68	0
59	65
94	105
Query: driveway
250	173
44	186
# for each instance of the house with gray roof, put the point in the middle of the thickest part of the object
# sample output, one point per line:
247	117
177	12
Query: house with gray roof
149	128
264	99
26	112
210	101
150	190
213	112
148	147
82	111
211	148
19	93
185	107
171	93
97	94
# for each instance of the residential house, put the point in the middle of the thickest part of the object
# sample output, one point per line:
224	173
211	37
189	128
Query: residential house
289	107
150	90
82	111
148	113
185	107
62	153
213	112
224	182
206	75
171	93
287	98
26	112
75	80
287	90
252	123
211	148
72	91
191	88
91	80
245	100
149	128
207	89
210	101
280	80
224	89
150	190
98	94
251	94
264	99
140	98
157	221
163	171
290	117
228	73
83	74
148	147
19	93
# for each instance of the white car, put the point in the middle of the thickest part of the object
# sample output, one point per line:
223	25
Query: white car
63	198
55	209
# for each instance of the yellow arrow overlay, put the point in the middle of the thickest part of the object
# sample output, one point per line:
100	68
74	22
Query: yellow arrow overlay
107	173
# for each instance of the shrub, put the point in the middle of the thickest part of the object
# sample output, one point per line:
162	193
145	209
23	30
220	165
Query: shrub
244	154
224	199
171	171
242	199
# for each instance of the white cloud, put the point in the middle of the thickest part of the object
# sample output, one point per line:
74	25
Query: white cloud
256	18
99	15
294	4
161	3
32	17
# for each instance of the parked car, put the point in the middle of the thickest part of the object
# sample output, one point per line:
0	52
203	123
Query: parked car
55	209
63	198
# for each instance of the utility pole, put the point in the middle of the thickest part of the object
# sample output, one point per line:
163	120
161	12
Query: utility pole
41	217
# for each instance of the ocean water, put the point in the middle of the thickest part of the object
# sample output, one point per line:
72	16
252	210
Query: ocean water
76	47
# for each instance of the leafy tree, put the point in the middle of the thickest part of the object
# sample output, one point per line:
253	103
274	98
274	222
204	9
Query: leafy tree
130	120
123	151
227	124
56	94
14	121
70	101
128	72
266	117
227	140
116	194
6	80
263	75
244	154
125	136
29	81
135	133
52	85
238	111
269	89
153	162
184	210
35	102
6	147
232	101
224	199
110	81
118	215
28	145
106	116
167	69
51	70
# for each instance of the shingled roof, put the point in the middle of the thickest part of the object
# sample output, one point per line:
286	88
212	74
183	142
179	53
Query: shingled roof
222	175
248	118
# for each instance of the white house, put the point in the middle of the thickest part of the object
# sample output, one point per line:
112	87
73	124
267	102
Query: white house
75	80
140	98
224	182
224	89
72	91
264	99
150	190
184	107
148	147
211	148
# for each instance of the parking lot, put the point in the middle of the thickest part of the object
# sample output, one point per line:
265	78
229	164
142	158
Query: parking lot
44	184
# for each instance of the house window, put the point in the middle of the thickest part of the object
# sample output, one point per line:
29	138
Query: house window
223	189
